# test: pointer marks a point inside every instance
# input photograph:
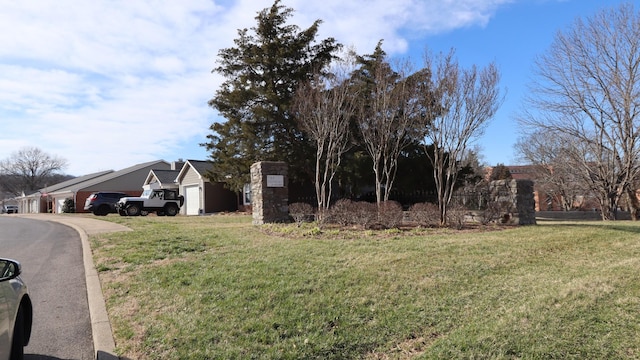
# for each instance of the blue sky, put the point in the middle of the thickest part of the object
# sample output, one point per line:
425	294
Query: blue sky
108	84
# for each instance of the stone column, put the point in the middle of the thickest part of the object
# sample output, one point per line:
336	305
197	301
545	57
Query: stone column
518	193
269	192
525	202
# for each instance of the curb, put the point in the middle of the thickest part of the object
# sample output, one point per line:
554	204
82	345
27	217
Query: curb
103	343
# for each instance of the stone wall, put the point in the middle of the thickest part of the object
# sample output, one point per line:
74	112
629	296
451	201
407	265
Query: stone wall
269	192
519	193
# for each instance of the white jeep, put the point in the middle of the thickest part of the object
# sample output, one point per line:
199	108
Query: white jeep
161	201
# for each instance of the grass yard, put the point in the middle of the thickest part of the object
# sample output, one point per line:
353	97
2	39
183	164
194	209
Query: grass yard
217	287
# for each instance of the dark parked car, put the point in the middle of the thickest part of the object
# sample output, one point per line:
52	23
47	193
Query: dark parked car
16	312
102	203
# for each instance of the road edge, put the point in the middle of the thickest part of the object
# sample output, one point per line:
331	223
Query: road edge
103	342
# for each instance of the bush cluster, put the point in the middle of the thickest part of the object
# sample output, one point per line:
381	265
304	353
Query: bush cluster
347	212
390	214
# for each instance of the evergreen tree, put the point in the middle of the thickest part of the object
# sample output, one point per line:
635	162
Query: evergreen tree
262	72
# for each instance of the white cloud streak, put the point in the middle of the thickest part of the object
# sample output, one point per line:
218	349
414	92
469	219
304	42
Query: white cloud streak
108	84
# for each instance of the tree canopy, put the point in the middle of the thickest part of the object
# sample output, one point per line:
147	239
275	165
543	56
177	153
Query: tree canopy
324	107
387	120
262	73
30	169
464	102
282	100
586	91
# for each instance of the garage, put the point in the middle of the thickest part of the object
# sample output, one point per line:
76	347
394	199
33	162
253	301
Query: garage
192	200
59	206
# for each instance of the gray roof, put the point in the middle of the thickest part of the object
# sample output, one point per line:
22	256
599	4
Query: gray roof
165	176
71	182
110	176
201	166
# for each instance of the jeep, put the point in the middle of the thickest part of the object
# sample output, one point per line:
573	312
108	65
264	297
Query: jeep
161	201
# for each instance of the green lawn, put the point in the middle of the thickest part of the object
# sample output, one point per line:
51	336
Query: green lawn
217	287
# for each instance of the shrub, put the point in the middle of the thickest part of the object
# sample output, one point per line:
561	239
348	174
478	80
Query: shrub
364	213
300	212
68	206
342	212
425	214
456	216
390	214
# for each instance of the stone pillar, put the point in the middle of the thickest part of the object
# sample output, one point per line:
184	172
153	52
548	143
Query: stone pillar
269	192
519	193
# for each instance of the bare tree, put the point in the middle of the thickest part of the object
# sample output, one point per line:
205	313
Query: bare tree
387	117
554	168
28	170
323	109
465	100
586	88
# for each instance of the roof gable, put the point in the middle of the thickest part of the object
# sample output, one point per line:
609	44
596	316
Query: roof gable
162	176
199	166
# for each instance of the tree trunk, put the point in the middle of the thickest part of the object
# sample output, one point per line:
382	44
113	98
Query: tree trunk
608	207
634	203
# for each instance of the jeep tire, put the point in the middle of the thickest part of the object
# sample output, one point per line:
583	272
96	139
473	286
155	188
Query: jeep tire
171	209
133	210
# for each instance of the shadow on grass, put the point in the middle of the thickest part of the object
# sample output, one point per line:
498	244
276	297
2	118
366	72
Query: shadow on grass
628	226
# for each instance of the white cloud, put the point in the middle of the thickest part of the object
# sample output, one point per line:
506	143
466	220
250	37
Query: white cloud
107	84
363	23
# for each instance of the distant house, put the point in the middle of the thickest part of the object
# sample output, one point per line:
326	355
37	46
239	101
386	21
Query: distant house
41	201
51	198
201	196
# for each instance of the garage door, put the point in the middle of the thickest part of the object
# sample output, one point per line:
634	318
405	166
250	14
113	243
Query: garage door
59	205
192	200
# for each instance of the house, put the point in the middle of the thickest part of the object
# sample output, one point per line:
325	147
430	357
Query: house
128	180
200	195
40	201
162	179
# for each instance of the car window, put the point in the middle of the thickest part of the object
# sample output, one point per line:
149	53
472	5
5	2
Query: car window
7	269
